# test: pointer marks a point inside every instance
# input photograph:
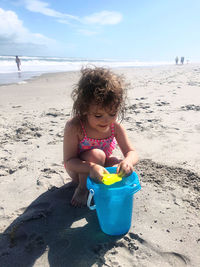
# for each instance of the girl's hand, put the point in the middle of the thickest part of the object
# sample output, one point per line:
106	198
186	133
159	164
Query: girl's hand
97	172
125	168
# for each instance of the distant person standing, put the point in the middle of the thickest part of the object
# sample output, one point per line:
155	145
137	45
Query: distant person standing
176	60
182	60
18	62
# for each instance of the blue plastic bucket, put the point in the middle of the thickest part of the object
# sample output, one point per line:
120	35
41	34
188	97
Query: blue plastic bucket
114	203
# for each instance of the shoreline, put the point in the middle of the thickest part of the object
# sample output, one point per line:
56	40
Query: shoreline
20	77
25	76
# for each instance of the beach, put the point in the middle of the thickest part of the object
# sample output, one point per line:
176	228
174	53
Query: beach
38	227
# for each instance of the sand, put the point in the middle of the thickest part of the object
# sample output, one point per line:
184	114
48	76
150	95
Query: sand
38	227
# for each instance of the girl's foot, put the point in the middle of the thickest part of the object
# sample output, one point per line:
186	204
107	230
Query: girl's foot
80	196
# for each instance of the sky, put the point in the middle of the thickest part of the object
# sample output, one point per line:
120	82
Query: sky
144	30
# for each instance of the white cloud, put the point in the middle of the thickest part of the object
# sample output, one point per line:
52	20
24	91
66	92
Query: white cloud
100	18
92	21
9	23
43	8
13	33
104	17
12	28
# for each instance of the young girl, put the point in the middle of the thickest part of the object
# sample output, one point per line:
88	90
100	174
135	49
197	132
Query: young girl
91	135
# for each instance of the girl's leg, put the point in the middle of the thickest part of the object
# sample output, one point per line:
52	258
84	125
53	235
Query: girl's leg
81	193
74	176
79	198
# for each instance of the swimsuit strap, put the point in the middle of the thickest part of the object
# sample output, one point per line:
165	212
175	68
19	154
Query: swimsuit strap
113	129
84	131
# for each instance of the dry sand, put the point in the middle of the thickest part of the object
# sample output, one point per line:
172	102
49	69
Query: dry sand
38	226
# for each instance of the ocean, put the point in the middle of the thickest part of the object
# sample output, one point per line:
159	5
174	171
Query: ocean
35	66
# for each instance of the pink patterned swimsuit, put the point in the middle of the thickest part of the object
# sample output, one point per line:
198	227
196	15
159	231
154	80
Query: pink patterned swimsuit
107	145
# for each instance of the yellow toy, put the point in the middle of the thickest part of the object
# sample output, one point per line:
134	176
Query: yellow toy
111	178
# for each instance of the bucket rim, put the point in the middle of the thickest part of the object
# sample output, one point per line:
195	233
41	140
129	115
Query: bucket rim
91	183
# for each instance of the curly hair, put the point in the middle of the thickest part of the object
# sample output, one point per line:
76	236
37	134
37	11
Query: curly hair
101	87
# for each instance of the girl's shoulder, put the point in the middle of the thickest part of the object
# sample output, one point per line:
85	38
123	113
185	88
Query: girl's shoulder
73	126
118	128
117	125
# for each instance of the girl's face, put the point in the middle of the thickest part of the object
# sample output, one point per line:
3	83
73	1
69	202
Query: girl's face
100	118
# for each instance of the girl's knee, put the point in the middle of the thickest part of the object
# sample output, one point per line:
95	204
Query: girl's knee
94	155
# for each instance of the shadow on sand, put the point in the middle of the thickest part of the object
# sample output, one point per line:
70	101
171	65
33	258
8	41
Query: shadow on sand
48	227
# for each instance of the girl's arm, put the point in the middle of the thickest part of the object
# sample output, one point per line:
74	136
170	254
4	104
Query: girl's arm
70	150
126	166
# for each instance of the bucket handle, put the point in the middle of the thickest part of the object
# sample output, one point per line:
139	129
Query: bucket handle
91	194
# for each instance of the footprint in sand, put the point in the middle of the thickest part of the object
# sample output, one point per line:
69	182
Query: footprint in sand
56	113
160	103
5	170
191	107
34	242
25	132
2	213
173	258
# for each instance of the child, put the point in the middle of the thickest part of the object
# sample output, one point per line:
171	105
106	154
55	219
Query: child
91	135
